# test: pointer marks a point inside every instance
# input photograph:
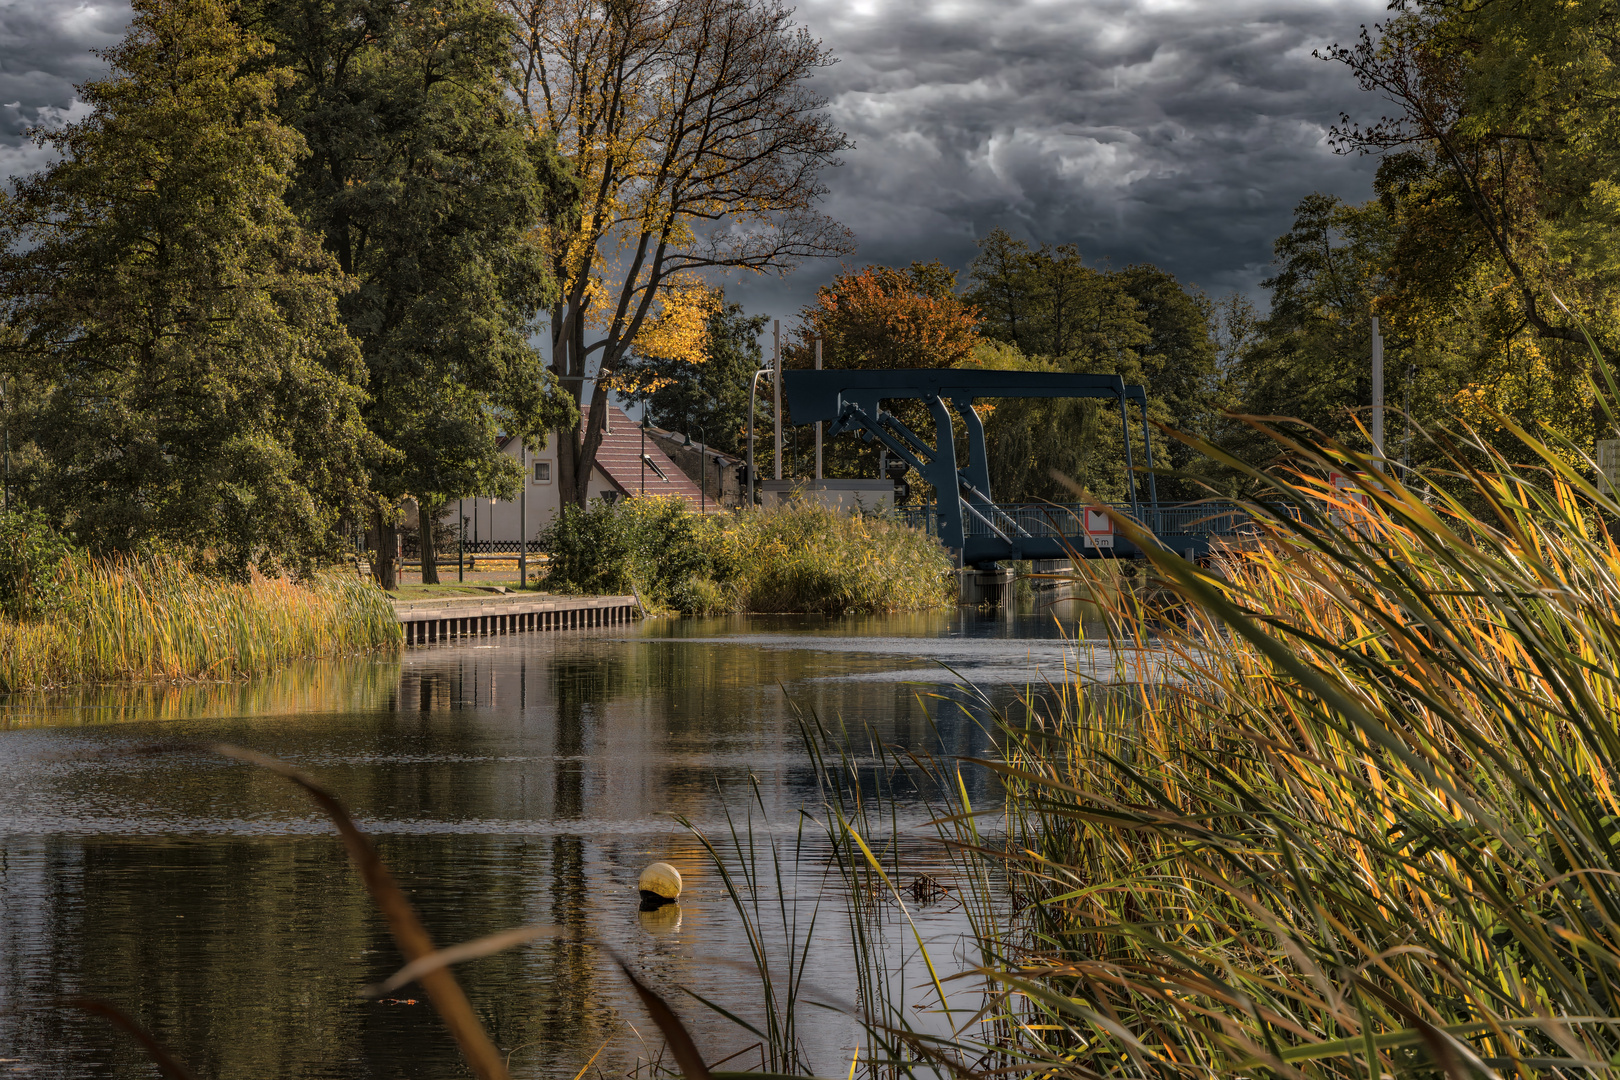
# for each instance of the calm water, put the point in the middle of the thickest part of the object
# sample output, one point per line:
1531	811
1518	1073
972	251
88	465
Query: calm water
509	781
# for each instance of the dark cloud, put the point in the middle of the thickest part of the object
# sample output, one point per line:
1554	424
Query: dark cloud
45	48
1178	132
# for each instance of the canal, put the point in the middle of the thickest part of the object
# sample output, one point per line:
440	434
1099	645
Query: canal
509	781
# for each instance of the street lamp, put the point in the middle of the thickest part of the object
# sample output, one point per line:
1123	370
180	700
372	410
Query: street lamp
703	469
753	391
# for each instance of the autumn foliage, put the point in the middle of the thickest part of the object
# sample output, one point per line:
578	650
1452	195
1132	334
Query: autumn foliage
881	317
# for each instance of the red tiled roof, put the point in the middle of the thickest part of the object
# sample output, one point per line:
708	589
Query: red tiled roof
619	457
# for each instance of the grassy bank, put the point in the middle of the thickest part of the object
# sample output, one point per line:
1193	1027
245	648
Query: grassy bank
797	559
110	621
1371	825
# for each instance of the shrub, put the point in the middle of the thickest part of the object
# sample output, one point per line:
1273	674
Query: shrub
31	551
797	559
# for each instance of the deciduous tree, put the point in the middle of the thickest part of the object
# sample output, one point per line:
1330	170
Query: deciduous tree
431	190
706	394
883	317
699	146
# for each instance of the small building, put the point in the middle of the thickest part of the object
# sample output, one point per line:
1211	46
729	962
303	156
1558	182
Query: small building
621	471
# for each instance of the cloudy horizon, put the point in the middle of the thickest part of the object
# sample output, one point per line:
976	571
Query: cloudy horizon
1166	131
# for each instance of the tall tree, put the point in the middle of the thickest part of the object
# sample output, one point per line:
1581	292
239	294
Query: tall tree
1047	302
1311	361
884	317
1061	315
431	189
699	145
174	331
1179	366
1510	109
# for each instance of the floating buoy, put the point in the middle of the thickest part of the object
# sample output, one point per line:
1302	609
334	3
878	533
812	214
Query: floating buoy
660	884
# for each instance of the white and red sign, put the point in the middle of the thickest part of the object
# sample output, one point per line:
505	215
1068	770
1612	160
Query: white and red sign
1099	529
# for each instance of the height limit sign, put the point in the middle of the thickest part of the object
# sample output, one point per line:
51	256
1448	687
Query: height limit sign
1099	529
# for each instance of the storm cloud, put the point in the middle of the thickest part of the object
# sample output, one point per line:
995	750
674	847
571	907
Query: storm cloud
1167	131
1177	133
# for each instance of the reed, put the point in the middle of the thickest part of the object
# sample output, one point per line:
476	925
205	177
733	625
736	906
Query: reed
1350	805
805	558
800	559
146	620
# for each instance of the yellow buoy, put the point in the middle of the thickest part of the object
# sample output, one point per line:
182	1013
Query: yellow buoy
660	883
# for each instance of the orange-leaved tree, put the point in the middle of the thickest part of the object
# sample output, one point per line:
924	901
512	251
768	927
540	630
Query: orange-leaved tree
884	317
881	317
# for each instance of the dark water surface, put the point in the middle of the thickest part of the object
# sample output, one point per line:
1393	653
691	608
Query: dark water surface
509	781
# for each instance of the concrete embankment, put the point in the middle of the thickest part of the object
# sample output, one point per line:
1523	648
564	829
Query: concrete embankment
455	617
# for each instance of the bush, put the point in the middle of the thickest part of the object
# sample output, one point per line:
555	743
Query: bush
31	551
650	545
799	559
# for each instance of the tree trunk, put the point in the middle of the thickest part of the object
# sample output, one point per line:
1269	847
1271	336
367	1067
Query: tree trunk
427	517
386	565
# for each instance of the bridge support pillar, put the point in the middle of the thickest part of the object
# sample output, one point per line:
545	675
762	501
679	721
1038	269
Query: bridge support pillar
986	588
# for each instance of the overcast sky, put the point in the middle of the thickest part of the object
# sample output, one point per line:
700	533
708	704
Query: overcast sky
1177	132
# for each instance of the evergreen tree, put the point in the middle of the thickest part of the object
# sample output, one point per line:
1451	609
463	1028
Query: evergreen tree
181	371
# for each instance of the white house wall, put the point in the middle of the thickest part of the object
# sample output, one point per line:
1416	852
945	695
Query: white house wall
499	520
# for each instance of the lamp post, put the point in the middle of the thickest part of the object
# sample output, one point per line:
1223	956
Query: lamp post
753	392
523	517
643	449
703	470
461	539
776	388
818	422
1377	394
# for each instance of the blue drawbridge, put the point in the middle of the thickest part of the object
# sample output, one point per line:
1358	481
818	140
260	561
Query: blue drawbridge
973	523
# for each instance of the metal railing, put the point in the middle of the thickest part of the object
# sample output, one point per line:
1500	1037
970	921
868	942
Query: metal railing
1068	520
413	549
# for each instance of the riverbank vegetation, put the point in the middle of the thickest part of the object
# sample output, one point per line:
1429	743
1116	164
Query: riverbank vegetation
796	559
151	620
1355	816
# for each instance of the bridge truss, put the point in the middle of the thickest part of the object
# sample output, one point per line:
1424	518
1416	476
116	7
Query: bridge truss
973	523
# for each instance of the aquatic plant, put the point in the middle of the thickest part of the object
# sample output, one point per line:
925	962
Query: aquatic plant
800	558
1366	822
114	620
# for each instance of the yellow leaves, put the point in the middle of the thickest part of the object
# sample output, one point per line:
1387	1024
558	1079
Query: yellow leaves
680	331
1520	382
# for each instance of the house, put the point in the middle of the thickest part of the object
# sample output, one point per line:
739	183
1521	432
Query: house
620	472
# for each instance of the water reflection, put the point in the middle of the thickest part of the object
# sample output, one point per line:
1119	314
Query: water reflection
510	781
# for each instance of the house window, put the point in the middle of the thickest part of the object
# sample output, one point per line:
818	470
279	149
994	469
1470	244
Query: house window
542	472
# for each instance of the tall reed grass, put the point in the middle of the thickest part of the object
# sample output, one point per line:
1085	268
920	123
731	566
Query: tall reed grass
146	620
805	558
801	559
1361	816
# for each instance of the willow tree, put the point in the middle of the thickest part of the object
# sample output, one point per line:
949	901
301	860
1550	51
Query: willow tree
699	147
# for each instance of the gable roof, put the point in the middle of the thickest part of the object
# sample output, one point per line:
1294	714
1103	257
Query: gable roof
619	459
